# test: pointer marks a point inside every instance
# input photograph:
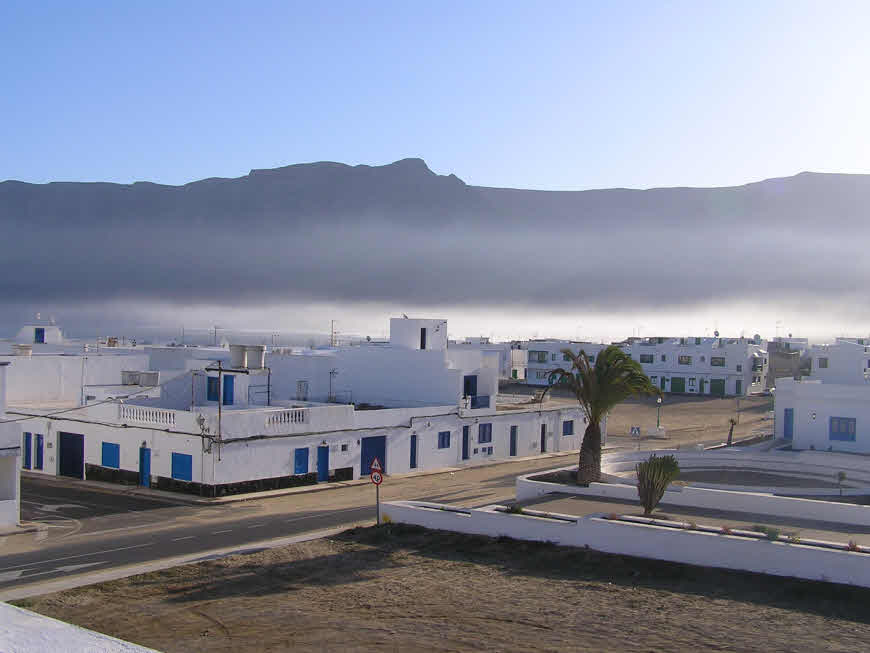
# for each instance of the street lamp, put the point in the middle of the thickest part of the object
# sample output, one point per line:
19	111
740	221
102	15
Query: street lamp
658	413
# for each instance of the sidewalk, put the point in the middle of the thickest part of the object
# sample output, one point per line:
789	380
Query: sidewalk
190	499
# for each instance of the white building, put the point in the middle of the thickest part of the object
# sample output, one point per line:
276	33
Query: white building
847	361
544	356
511	359
703	366
823	416
10	453
251	421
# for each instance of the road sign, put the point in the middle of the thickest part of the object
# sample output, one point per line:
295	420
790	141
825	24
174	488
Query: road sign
376	466
377	478
635	430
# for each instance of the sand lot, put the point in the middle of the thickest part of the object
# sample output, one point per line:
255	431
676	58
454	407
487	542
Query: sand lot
397	588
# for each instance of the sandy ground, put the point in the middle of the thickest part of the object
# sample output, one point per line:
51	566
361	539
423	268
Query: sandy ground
688	420
400	588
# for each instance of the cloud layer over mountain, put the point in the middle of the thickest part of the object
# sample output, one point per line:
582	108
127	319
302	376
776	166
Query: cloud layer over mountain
402	234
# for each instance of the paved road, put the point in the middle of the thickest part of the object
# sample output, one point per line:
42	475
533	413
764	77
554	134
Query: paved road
88	530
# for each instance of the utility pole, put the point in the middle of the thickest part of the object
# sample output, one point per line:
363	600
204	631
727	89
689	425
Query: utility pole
220	404
332	339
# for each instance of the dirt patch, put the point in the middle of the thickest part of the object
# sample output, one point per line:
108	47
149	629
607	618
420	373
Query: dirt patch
402	588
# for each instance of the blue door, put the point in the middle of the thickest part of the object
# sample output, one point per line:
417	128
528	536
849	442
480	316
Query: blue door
300	461
465	443
39	335
38	461
72	454
543	438
229	383
144	467
374	447
514	440
414	451
788	423
322	464
28	446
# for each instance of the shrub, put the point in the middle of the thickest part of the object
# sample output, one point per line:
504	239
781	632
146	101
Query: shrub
759	528
772	534
852	545
794	538
385	519
726	530
515	510
653	477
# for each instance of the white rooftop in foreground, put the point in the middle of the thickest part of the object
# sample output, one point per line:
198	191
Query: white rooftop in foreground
25	631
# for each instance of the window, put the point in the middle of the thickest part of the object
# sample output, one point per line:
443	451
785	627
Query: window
682	341
568	427
664	358
685	360
691	381
542	375
552	357
646	358
488	451
182	466
111	455
739	367
213	390
484	433
591	359
842	428
717	361
823	363
444	440
344	447
653	379
537	356
566	357
660	340
697	341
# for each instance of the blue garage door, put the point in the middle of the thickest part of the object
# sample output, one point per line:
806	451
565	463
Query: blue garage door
375	447
72	454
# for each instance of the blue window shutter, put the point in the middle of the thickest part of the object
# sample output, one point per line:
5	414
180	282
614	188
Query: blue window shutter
229	383
568	427
182	466
300	461
38	461
111	455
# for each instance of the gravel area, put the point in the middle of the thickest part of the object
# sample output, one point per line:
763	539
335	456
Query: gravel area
397	588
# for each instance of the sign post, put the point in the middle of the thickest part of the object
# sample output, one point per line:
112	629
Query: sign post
377	479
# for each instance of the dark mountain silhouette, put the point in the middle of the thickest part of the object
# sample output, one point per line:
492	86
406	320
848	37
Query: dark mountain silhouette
402	233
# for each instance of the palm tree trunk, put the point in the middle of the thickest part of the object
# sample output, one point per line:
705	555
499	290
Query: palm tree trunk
589	466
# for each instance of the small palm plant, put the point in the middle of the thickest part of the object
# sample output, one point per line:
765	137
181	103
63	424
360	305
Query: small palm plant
653	477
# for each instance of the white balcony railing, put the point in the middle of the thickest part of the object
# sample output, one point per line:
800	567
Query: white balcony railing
143	415
285	418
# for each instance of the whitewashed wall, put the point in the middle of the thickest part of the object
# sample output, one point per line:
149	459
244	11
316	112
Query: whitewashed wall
47	377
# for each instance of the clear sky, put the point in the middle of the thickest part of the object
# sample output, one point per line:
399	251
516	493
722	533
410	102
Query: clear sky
552	95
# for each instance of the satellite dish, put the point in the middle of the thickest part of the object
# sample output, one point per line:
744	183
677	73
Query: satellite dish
716	333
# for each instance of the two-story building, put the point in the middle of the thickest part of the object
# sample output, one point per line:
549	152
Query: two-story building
10	455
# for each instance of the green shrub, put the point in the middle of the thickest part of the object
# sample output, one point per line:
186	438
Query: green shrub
772	534
653	477
515	510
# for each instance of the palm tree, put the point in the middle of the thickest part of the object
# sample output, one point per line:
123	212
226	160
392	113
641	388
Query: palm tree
599	388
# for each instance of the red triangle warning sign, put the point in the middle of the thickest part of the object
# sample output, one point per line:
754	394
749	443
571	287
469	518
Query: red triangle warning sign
376	466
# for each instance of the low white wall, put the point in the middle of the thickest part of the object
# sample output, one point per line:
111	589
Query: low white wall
9	514
749	502
692	547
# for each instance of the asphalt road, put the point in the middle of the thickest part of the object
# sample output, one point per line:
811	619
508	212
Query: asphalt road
84	530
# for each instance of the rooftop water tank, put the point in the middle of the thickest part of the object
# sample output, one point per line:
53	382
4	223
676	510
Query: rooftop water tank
238	356
256	356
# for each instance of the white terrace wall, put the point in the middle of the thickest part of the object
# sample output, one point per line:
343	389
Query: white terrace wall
660	543
388	376
49	377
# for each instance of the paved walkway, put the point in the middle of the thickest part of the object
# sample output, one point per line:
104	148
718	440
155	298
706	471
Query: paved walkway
806	528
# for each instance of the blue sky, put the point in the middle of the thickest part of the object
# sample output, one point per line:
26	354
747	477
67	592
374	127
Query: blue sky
555	95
